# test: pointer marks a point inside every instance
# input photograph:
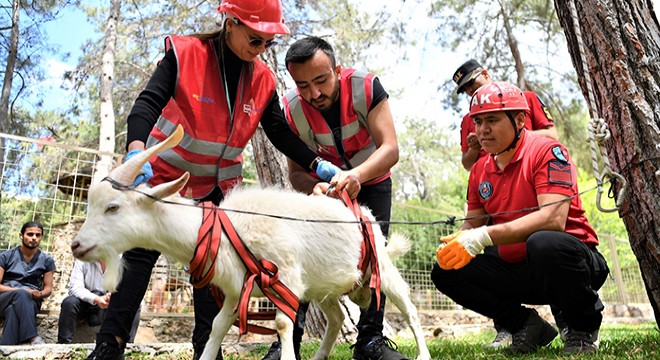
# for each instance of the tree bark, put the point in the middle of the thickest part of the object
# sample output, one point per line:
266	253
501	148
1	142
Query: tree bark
271	164
622	49
12	54
107	112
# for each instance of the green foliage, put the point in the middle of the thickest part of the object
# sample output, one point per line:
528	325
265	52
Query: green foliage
536	33
33	48
424	227
429	167
617	342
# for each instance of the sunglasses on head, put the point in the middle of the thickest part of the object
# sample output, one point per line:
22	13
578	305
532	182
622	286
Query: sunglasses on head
256	42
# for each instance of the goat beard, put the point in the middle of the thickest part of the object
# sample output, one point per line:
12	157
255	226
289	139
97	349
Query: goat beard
114	268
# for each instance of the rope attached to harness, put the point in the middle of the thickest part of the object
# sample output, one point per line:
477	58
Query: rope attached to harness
369	254
262	272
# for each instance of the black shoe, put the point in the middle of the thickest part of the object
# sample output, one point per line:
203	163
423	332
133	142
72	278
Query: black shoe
535	333
107	351
275	351
378	348
502	340
581	342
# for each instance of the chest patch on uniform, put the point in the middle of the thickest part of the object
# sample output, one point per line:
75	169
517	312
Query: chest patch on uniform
559	154
485	190
559	172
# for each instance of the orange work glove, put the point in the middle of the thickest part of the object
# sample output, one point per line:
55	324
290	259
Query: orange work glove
444	241
462	247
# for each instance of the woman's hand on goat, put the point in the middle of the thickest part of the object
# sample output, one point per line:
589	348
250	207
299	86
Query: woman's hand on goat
146	172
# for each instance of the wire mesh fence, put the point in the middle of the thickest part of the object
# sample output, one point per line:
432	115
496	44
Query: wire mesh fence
47	182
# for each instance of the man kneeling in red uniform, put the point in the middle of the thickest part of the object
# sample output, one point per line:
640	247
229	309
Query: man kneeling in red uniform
546	247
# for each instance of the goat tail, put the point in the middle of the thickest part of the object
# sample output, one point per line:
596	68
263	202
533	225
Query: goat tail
397	245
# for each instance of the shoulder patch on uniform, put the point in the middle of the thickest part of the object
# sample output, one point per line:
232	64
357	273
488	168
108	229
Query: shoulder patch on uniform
559	153
485	190
559	172
545	109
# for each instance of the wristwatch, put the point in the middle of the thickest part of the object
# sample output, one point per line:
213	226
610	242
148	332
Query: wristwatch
315	163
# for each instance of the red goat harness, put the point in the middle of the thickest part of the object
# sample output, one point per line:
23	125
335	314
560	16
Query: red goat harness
368	254
264	272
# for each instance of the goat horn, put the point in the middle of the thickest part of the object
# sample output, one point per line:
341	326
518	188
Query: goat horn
128	171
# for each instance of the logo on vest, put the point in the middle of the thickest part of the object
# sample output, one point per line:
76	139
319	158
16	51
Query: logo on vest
247	108
203	99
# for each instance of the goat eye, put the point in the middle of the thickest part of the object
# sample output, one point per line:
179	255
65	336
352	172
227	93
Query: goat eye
112	208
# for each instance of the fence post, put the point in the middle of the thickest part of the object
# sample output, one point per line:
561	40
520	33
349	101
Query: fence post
618	277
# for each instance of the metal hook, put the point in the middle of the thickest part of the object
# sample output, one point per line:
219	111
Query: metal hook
622	192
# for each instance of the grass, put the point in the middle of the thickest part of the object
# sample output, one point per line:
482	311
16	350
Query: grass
617	342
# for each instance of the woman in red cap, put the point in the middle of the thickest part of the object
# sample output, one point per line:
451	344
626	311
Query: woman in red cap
213	85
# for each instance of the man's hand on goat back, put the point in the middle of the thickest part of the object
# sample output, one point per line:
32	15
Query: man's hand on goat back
349	181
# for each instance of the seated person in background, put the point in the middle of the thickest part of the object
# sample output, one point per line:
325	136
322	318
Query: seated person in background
86	300
26	278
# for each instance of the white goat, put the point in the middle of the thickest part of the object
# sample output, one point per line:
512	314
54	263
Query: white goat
316	261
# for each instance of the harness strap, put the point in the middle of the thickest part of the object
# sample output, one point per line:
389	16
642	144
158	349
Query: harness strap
263	272
369	254
208	245
252	315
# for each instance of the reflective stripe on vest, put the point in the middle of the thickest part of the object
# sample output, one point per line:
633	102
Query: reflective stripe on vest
211	148
355	98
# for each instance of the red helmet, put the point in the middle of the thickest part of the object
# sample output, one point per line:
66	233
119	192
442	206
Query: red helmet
497	96
260	15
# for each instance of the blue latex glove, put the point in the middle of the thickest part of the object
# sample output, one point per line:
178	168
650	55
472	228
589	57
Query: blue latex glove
327	170
146	171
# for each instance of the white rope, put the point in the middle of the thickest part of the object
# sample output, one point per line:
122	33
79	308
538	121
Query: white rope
598	131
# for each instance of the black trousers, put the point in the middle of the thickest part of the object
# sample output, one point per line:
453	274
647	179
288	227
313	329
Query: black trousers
74	309
378	198
559	270
124	304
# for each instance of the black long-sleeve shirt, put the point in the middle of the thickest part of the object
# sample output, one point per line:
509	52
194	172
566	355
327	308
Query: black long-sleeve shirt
161	87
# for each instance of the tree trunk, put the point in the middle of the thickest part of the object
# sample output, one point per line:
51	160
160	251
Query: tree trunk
12	54
107	112
271	164
513	45
622	48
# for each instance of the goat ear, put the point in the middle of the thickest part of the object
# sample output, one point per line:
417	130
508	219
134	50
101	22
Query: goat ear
168	189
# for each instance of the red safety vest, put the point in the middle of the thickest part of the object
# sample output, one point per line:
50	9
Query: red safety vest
355	98
213	142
